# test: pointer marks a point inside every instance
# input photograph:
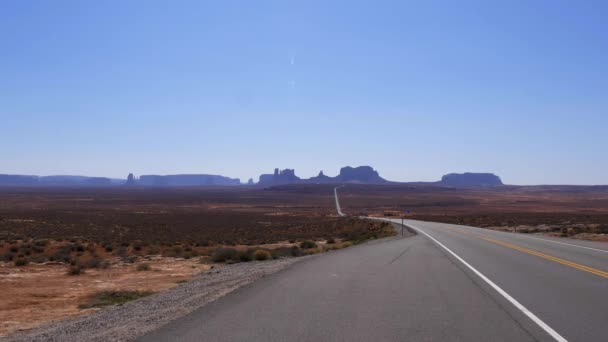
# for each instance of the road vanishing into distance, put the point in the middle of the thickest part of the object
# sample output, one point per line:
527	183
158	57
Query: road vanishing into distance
338	209
439	282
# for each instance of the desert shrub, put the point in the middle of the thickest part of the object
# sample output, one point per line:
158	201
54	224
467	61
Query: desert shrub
38	258
108	248
307	244
177	251
21	262
261	254
41	242
62	254
14	249
224	254
153	250
121	252
245	256
94	262
143	267
293	251
292	241
8	256
137	246
203	243
130	259
75	270
106	298
331	241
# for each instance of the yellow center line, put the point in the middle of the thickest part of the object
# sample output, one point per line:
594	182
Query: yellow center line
549	257
538	254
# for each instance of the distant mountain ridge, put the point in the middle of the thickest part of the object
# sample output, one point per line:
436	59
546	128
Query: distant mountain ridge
60	180
186	180
356	175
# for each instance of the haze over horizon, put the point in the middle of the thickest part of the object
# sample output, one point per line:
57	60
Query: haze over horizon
415	90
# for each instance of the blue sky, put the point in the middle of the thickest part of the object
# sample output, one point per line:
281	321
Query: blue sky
415	89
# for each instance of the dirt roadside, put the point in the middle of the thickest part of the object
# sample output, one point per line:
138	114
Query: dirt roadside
128	321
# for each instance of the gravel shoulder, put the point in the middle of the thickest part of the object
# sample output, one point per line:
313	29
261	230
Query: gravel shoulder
127	322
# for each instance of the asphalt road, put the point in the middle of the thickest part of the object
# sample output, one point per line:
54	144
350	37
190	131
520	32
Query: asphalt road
412	289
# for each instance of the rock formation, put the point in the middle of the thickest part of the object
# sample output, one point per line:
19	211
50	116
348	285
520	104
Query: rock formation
470	179
286	176
130	180
361	174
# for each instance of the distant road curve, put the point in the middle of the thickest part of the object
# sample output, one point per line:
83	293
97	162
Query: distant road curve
337	201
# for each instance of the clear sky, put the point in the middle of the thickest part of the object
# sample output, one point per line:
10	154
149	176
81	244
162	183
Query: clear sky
415	89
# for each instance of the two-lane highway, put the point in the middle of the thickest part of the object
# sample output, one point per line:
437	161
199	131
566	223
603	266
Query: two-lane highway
563	282
489	286
446	283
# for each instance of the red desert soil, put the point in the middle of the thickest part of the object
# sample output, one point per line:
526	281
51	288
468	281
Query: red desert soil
37	293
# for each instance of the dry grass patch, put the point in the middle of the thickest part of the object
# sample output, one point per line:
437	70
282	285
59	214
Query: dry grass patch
106	298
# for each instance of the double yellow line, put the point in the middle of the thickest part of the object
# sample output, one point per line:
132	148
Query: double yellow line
549	257
592	270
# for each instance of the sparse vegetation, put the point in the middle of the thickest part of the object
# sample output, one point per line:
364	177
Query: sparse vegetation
21	262
224	254
308	244
106	298
143	267
75	270
261	254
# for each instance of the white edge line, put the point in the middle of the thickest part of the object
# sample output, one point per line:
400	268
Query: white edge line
513	301
530	237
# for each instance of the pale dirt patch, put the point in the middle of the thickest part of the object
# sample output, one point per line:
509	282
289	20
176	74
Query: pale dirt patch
40	293
127	322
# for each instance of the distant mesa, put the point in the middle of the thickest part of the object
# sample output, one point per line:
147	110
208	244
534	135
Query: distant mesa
23	180
187	180
361	174
98	181
250	181
18	180
470	179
